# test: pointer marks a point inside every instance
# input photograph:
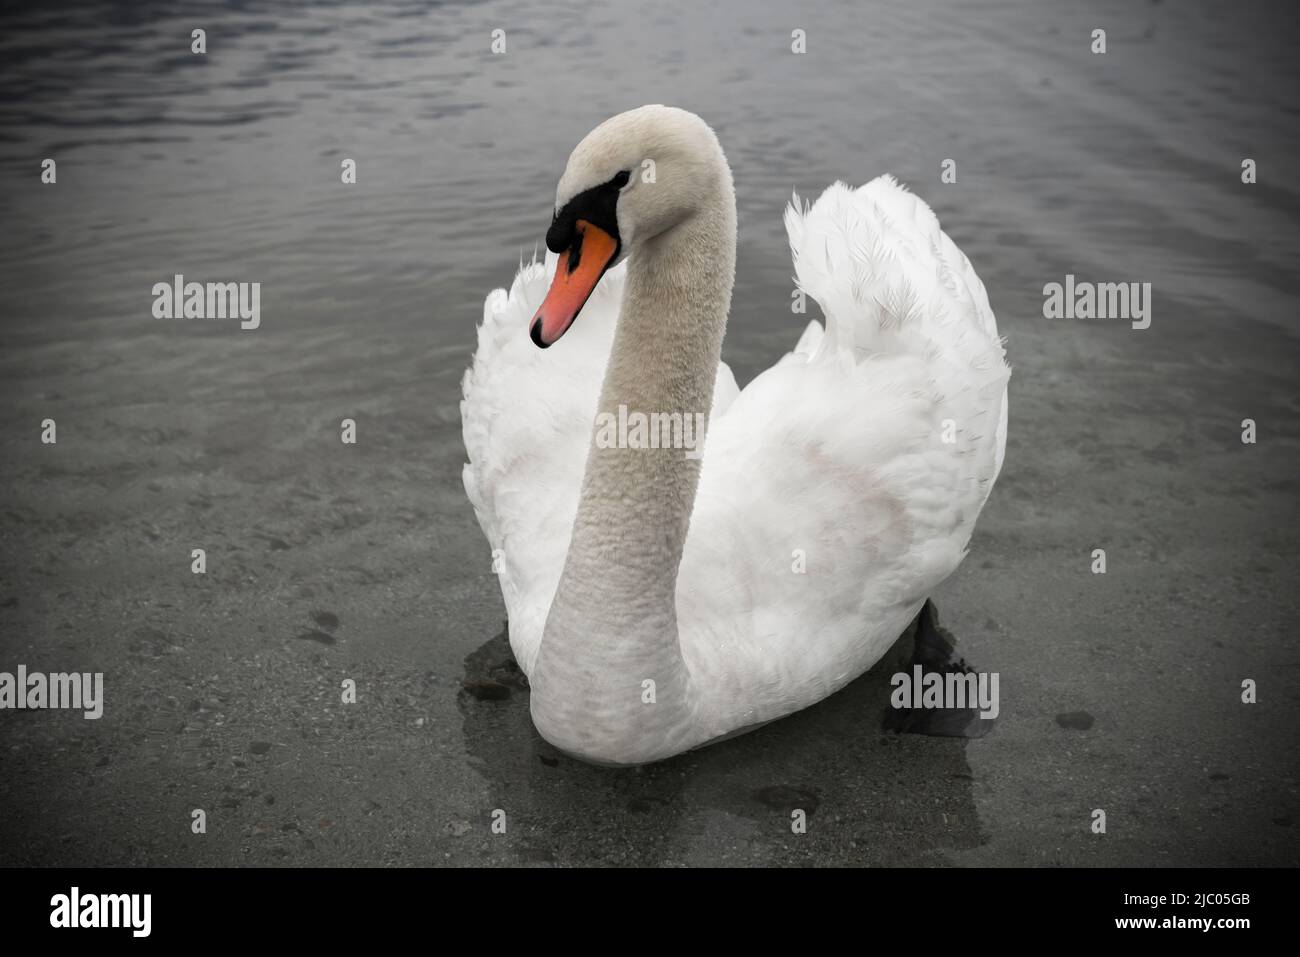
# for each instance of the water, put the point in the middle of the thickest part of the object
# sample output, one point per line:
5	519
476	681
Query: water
227	165
1120	167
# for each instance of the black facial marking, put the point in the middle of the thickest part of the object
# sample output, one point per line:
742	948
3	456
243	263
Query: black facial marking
598	206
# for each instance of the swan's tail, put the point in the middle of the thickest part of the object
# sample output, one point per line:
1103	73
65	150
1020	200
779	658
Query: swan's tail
892	283
877	262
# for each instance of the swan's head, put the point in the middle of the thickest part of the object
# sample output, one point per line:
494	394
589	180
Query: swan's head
632	178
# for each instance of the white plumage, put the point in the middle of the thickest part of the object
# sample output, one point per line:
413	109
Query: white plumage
837	490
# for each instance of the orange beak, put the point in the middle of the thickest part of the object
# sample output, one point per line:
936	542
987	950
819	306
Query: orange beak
576	274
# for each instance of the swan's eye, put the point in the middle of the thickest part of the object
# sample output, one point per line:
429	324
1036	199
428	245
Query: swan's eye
621	180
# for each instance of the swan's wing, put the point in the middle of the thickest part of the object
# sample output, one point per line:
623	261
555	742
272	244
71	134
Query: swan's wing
527	416
843	484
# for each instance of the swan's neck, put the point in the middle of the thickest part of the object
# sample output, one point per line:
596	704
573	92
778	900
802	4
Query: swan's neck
612	627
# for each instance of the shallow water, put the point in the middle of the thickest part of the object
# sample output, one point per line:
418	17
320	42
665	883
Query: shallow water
1122	167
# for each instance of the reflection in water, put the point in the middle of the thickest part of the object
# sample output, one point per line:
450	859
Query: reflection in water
869	797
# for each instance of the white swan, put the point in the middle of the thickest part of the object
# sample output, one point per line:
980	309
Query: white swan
656	600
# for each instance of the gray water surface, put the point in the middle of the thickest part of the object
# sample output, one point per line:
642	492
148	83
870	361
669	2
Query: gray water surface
223	689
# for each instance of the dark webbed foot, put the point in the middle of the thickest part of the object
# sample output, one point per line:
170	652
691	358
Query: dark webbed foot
934	651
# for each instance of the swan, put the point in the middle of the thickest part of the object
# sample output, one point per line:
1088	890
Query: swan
660	599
